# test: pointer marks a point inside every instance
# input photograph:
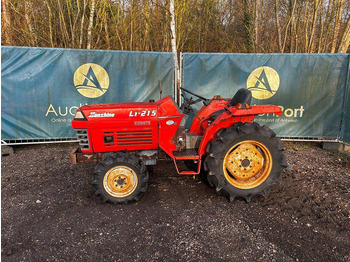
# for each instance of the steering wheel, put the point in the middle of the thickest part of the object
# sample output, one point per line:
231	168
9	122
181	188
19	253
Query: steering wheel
186	106
190	92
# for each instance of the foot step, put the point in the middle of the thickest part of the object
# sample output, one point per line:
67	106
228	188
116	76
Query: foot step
186	154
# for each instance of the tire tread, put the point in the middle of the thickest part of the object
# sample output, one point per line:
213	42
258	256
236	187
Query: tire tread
213	162
118	159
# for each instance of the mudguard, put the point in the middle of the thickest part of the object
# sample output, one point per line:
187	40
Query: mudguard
233	115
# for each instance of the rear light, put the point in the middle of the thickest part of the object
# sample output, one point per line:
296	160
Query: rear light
79	116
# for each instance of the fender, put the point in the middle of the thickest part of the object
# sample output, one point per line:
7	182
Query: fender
231	116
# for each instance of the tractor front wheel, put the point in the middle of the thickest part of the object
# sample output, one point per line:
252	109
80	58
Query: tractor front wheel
245	160
120	179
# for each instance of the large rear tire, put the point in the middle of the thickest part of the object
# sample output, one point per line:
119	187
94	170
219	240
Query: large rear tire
120	179
245	160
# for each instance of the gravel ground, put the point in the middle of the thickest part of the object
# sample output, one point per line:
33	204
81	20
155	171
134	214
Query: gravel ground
50	212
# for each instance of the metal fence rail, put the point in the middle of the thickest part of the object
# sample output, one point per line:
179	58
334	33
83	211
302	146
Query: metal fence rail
13	142
74	140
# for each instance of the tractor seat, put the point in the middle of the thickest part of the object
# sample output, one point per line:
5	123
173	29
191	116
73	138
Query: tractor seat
242	96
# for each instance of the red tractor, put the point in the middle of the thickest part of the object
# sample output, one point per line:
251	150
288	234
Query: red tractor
240	157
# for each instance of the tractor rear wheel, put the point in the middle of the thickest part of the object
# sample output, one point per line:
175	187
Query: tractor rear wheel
121	178
245	160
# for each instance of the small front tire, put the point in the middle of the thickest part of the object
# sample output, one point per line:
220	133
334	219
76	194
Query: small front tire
120	179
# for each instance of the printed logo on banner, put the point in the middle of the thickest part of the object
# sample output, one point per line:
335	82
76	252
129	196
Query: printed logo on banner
91	80
263	82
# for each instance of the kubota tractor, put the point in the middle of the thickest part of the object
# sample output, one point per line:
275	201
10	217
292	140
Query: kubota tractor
240	157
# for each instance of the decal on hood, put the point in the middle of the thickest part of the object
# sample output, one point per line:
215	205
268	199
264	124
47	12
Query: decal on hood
94	114
143	113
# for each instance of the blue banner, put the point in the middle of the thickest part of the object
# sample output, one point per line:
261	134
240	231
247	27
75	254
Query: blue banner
43	87
309	88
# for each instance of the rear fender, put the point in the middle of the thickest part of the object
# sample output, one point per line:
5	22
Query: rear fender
231	116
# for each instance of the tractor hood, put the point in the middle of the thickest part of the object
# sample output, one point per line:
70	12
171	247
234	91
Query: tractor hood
113	111
119	113
131	126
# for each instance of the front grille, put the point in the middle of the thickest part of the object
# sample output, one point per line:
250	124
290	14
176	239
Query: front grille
132	138
83	139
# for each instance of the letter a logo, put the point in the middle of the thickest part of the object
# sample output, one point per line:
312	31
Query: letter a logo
91	80
263	82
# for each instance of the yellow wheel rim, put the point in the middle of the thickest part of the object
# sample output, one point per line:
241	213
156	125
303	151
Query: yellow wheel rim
120	181
247	164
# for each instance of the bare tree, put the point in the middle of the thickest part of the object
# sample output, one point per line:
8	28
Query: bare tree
278	27
82	25
7	26
313	27
200	25
173	44
91	22
345	40
50	22
256	25
340	4
27	15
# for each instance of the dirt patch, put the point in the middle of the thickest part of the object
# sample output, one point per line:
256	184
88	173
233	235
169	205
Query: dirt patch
50	212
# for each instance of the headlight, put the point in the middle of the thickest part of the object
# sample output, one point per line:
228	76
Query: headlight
79	116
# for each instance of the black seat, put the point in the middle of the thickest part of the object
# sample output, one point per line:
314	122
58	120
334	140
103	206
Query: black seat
242	96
